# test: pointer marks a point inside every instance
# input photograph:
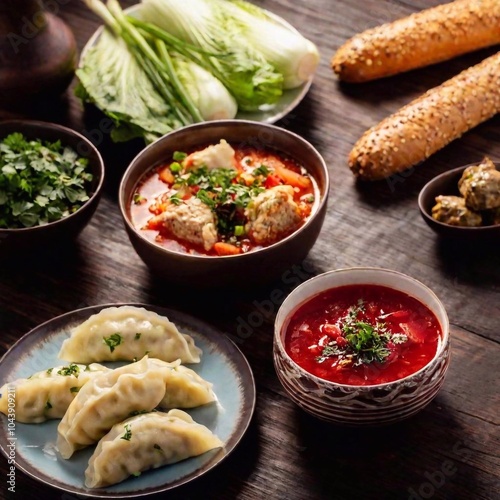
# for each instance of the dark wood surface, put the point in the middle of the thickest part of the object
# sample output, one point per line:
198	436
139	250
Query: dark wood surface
448	451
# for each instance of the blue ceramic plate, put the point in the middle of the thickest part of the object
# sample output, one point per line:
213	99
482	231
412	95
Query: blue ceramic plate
222	363
271	114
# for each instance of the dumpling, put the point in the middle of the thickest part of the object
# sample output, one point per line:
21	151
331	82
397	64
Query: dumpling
184	387
46	394
108	399
147	441
127	333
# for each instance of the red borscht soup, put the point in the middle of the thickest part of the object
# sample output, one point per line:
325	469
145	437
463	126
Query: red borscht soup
362	335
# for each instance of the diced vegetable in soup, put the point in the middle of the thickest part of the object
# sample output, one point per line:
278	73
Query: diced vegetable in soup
362	335
223	199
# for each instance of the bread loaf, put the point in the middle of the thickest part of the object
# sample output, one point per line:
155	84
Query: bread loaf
424	38
429	123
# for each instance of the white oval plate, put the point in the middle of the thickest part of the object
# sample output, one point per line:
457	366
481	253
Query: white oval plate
222	363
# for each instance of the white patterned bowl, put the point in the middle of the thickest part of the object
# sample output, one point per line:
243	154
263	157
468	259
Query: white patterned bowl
361	405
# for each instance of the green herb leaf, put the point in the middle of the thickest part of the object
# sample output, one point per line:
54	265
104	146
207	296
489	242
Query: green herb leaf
179	156
72	369
40	182
138	199
128	433
362	343
74	389
113	341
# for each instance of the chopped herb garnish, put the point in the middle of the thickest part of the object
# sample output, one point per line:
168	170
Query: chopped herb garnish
137	336
136	474
72	369
179	155
113	341
40	182
74	390
128	433
361	343
175	199
262	170
139	199
49	371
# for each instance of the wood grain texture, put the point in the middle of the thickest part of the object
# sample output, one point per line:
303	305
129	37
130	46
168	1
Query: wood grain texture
286	454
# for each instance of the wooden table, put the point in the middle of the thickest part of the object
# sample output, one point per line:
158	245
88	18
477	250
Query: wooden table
451	449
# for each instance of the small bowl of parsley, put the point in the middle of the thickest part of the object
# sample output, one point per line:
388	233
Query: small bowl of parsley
50	183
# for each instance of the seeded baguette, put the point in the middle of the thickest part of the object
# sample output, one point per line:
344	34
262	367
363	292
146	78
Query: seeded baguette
423	38
429	123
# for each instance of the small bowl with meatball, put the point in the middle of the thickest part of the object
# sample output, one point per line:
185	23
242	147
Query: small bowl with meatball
226	203
464	202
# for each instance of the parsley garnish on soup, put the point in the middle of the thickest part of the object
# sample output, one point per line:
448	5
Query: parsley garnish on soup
362	335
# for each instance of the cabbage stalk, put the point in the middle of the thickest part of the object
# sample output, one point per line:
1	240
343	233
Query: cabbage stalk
229	25
207	92
147	88
112	79
243	69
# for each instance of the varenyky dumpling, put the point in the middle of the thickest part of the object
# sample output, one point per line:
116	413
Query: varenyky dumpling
46	394
147	441
184	388
127	333
108	399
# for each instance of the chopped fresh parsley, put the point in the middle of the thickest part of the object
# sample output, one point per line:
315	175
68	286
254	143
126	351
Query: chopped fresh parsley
139	199
175	199
40	182
113	341
179	156
72	369
128	433
137	336
49	371
262	170
362	343
74	390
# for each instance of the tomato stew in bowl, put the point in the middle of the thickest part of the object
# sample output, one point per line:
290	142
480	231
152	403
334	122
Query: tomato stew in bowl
227	203
223	199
